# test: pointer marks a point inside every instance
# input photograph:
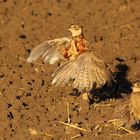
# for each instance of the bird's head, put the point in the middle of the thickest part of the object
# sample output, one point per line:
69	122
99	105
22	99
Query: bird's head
136	87
76	30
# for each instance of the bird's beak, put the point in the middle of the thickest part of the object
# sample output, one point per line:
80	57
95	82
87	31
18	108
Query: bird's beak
69	29
135	89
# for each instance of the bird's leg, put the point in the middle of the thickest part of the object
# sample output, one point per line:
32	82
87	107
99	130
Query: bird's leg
88	97
85	95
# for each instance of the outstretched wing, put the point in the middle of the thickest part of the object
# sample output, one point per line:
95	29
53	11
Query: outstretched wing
86	70
51	51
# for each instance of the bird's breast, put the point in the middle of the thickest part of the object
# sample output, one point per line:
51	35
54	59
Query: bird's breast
81	45
75	48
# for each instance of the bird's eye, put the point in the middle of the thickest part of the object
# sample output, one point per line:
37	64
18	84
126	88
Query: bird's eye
137	84
75	27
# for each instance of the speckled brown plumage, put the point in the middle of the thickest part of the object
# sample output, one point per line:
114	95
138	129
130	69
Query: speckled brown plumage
129	112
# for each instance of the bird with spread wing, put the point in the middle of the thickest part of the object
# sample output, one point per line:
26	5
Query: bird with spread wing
81	65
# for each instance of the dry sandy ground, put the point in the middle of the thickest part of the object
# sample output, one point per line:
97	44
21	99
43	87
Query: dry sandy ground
29	102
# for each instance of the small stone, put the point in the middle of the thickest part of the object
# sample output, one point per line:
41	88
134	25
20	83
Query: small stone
32	131
36	69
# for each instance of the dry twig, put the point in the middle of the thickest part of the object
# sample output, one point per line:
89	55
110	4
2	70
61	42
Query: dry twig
34	132
68	110
73	126
116	123
76	136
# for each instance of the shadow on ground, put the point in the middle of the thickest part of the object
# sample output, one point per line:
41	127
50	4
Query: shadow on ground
120	84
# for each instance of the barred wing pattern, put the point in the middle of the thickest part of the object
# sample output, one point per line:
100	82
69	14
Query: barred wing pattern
122	113
51	51
85	70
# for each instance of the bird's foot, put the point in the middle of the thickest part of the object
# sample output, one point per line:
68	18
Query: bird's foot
85	96
88	97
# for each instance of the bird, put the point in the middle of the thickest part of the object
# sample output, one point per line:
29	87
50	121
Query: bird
129	112
81	65
135	100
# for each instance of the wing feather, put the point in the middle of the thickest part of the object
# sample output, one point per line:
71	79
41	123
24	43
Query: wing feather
64	75
86	70
49	50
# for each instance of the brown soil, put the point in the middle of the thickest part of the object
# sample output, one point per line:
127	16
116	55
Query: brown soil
28	100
